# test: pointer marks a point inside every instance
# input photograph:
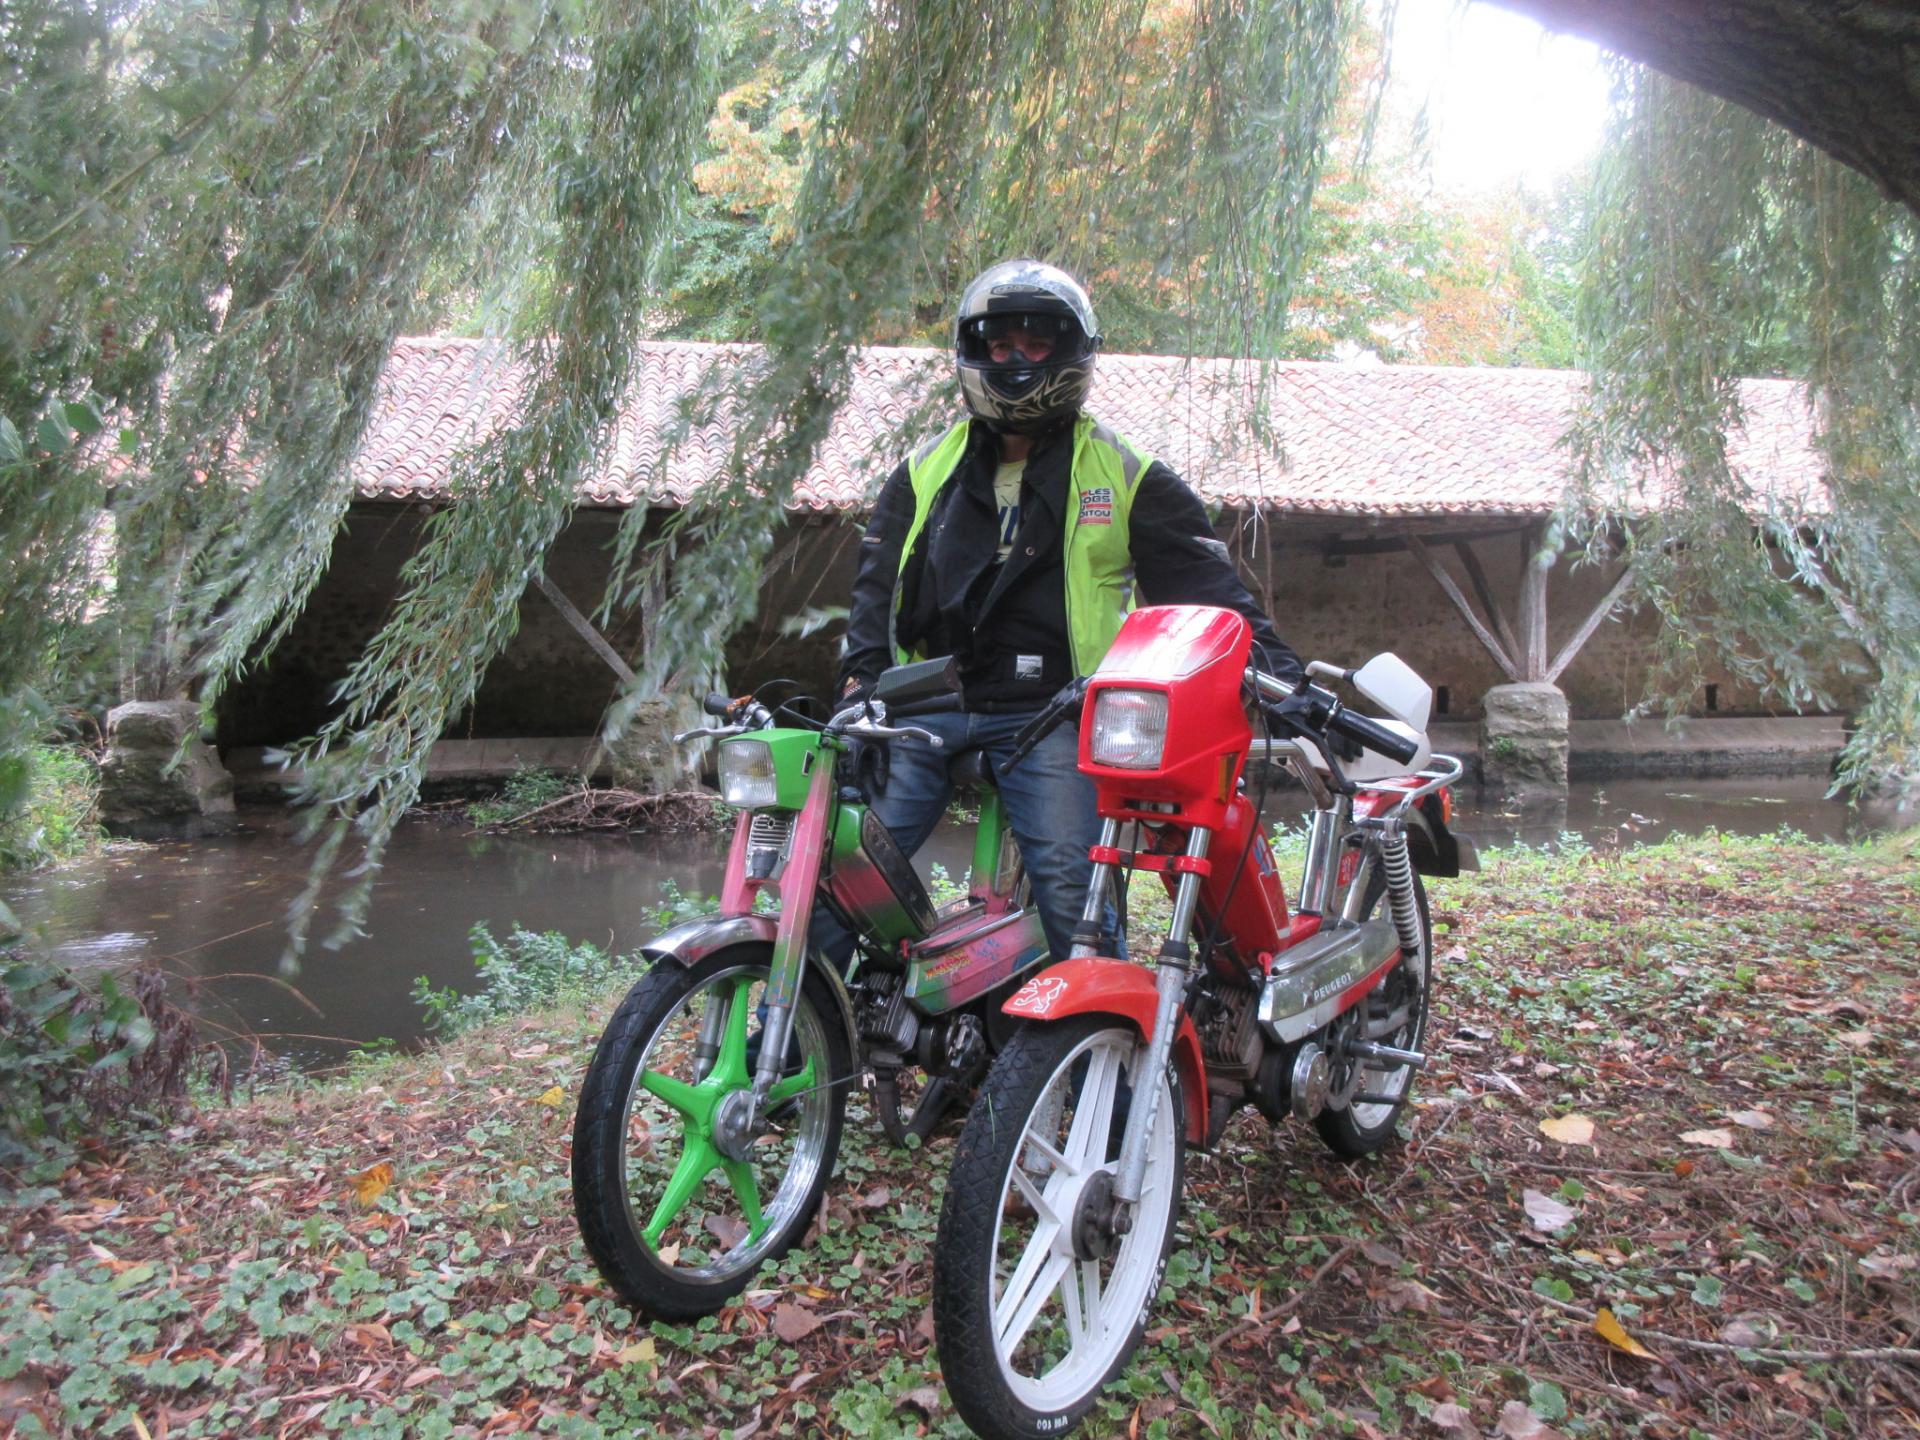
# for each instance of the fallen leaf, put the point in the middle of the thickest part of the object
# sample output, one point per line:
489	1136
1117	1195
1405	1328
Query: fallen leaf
741	1432
927	1398
1683	1168
1750	1330
1568	1129
1544	1211
1615	1334
875	1198
1716	1139
370	1184
1409	1295
1752	1119
727	1230
669	1254
794	1322
1884	1264
1382	1255
925	1328
553	1097
1455	1420
1858	1039
1517	1422
641	1352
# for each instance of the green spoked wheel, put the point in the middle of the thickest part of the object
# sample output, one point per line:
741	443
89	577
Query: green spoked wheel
678	1204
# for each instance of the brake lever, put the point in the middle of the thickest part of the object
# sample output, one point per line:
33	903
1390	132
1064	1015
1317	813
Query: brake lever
708	732
1043	724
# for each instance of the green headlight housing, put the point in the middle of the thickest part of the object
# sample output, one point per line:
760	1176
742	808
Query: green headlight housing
769	769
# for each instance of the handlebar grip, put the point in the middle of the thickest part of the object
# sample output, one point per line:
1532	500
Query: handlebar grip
716	703
1373	735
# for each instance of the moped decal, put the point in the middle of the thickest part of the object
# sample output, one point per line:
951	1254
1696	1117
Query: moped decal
1038	995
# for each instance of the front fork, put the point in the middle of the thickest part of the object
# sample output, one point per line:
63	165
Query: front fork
1172	971
795	887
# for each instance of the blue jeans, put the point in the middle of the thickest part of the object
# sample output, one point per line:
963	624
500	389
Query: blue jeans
1049	807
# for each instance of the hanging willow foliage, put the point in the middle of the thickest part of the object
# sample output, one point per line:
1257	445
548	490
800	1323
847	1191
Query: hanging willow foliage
1723	247
214	219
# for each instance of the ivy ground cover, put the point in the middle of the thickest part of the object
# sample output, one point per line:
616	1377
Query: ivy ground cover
1663	1180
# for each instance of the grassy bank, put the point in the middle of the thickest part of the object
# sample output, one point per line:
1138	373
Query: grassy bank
392	1253
59	794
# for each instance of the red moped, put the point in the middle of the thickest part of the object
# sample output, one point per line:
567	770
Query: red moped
1060	1208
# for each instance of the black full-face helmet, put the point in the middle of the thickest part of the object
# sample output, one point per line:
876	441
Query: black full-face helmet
1015	394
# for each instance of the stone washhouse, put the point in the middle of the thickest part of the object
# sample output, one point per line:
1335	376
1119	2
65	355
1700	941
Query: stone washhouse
1370	507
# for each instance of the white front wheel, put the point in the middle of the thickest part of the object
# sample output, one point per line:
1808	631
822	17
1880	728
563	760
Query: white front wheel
1041	1285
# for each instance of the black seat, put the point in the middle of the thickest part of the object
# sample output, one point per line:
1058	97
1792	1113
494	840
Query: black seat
969	770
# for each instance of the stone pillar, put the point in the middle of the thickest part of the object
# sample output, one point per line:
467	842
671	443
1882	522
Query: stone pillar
1523	740
160	781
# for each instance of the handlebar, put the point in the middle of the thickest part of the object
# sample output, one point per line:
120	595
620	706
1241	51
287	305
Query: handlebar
1373	735
1338	718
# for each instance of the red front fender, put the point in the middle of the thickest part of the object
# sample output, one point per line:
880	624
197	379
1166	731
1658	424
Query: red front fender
1115	987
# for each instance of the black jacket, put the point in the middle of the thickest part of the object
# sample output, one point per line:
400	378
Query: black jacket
956	599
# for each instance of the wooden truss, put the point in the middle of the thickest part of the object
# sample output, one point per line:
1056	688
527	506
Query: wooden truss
1522	655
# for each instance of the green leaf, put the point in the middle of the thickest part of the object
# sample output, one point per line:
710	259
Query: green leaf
1547	1400
10	447
53	435
1553	1287
83	416
1799	1289
1707	1290
129	441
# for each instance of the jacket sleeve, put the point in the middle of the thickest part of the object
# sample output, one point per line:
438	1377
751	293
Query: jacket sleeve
870	611
1178	560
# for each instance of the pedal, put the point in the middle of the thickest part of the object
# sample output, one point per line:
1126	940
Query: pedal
1385	1054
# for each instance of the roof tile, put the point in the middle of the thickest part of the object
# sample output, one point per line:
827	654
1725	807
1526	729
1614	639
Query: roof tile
1359	440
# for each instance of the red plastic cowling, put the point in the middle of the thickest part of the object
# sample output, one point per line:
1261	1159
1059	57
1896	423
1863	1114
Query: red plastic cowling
1117	987
1197	656
1256	903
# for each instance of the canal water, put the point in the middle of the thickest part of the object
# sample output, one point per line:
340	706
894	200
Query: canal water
212	912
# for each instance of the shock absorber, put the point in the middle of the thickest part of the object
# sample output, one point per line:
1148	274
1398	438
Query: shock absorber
1398	869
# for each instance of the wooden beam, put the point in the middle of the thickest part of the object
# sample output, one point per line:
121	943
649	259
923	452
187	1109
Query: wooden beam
1588	626
1536	562
1452	591
580	623
1298	535
1483	592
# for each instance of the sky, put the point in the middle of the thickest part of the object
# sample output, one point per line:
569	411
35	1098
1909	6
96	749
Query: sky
1506	101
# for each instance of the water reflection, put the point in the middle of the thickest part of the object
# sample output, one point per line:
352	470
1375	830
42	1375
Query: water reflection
212	911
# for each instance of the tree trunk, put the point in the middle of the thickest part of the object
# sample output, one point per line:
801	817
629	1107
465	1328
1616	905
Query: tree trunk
1845	78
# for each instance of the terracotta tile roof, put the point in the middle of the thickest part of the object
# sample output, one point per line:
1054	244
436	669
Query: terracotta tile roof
1361	440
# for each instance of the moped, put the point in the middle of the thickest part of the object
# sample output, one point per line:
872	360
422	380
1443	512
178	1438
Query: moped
710	1116
1060	1206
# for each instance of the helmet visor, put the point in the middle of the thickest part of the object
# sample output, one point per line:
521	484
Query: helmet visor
1021	338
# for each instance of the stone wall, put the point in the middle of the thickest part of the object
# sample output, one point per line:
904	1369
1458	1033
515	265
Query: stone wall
1330	597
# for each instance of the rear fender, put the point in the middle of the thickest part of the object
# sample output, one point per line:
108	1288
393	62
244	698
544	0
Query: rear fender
1116	987
690	943
1432	847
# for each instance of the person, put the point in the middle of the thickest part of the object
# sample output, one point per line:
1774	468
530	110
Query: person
1017	541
